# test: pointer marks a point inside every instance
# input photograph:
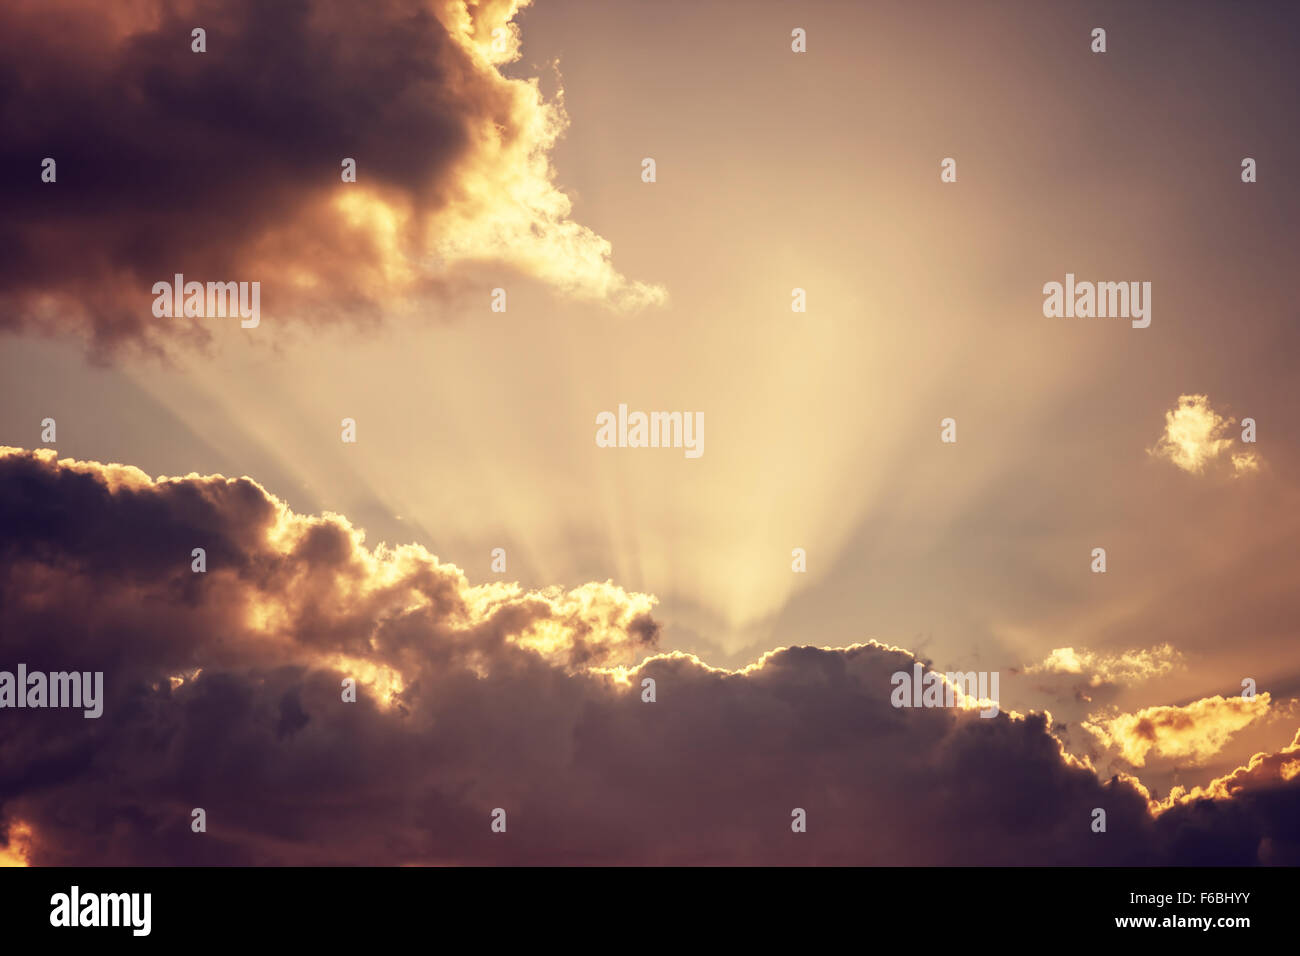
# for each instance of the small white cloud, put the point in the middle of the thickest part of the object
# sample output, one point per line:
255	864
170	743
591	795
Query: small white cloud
1196	436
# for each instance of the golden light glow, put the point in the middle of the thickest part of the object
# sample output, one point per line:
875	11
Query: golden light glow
386	682
1194	434
1192	733
1127	666
18	852
1262	769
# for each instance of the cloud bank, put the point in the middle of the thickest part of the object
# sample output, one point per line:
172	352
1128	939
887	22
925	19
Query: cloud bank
222	691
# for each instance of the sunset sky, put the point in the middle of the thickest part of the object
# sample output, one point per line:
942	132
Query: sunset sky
520	168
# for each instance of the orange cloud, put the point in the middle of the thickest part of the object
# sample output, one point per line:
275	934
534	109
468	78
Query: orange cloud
1192	733
1262	771
18	849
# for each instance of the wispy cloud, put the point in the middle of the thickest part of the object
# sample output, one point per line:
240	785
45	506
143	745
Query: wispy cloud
1098	667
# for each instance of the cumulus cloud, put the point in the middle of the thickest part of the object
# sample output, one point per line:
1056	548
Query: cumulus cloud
1264	771
1196	436
222	691
1192	733
225	165
1240	818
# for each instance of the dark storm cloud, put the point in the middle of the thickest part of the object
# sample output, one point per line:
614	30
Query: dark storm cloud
225	165
223	692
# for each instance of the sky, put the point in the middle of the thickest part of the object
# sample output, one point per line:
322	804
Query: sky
500	145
